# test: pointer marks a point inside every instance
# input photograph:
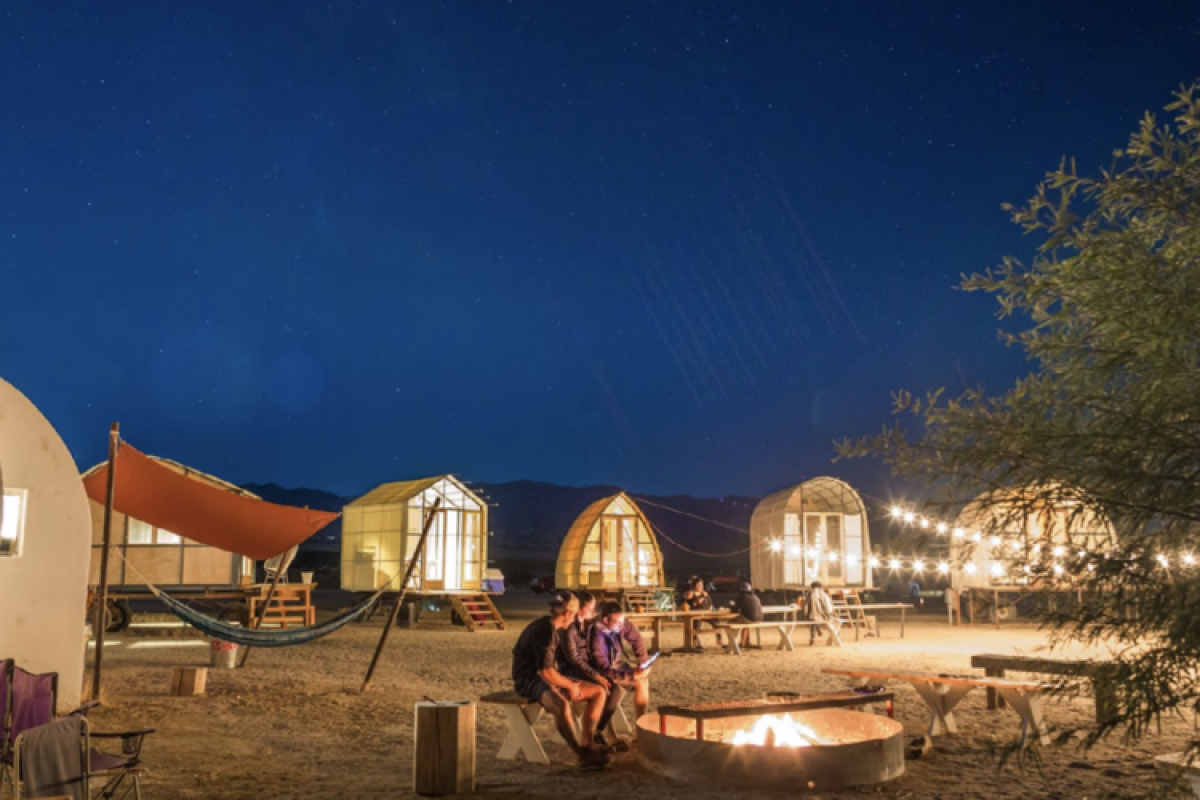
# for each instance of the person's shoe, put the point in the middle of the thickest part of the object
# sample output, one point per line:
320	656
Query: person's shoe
620	746
602	743
593	758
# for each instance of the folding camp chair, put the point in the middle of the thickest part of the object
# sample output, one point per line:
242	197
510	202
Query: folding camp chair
26	701
58	759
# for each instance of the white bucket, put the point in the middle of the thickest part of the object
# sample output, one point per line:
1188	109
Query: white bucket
306	577
223	655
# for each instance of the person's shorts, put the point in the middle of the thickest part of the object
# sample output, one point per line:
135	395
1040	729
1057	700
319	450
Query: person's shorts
532	689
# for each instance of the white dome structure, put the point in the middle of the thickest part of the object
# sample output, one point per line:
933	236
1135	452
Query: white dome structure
45	543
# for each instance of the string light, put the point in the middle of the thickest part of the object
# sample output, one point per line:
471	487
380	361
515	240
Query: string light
924	523
959	533
1188	559
1059	551
997	569
909	516
943	568
941	527
896	512
994	541
831	556
794	550
918	566
1162	559
970	568
852	559
874	562
776	546
894	563
1058	569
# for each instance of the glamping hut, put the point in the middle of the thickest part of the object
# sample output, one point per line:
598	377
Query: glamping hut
162	557
814	531
994	531
43	548
381	529
610	546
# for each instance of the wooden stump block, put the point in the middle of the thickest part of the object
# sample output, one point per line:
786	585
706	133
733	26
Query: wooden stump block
188	681
444	757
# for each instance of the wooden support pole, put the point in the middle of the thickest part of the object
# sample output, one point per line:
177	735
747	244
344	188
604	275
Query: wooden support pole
114	443
262	612
391	620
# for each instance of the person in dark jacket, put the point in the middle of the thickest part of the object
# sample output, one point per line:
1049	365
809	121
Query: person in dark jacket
697	598
609	635
749	609
535	676
574	662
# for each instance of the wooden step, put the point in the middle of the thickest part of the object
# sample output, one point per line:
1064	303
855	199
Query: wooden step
477	612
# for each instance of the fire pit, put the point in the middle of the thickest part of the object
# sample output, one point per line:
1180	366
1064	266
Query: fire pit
764	744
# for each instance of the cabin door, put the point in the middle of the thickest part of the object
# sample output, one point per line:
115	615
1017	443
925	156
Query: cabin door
824	552
610	549
434	558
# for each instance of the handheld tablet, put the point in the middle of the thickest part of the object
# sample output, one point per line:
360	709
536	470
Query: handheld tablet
646	664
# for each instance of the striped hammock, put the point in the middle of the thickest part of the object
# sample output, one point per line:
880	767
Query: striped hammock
249	637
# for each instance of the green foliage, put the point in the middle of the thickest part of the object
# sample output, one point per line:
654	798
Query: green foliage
1107	423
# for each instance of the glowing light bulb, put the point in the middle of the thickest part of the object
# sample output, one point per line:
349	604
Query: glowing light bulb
794	550
909	516
894	563
994	541
918	566
941	527
776	546
873	562
997	569
959	533
1188	559
924	522
970	568
1060	551
852	559
1058	570
976	537
943	567
897	511
831	556
813	553
1162	560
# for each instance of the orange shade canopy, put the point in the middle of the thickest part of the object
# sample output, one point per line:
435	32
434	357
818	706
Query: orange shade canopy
155	494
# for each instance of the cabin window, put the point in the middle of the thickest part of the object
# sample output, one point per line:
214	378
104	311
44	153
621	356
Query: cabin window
12	526
145	533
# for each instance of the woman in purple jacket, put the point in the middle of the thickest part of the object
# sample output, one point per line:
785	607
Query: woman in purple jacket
606	647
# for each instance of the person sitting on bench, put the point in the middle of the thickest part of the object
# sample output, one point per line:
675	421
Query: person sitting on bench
606	648
574	663
697	598
749	609
818	607
536	677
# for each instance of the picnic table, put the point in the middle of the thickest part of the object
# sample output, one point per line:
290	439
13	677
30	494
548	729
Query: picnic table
1098	672
876	607
943	692
657	619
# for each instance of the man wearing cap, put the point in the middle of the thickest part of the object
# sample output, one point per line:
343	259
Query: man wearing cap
749	609
536	677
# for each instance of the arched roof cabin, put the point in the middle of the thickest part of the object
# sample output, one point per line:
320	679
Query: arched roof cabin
814	531
610	546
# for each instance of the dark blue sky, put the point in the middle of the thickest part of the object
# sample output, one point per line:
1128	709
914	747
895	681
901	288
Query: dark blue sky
677	247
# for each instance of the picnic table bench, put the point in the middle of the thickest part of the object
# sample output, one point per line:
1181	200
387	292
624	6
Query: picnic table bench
943	692
699	712
1099	672
522	714
862	608
785	628
658	619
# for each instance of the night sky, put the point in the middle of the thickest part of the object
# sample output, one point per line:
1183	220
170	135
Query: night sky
673	246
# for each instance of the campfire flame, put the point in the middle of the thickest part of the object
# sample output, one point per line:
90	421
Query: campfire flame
773	731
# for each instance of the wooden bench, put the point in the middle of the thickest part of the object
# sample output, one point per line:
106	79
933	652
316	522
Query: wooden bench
785	628
943	692
699	712
1175	768
290	605
1098	672
521	713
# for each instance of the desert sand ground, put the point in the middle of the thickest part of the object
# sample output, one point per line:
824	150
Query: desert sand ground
293	723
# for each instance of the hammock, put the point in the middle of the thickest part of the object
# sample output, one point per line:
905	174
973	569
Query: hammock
250	637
